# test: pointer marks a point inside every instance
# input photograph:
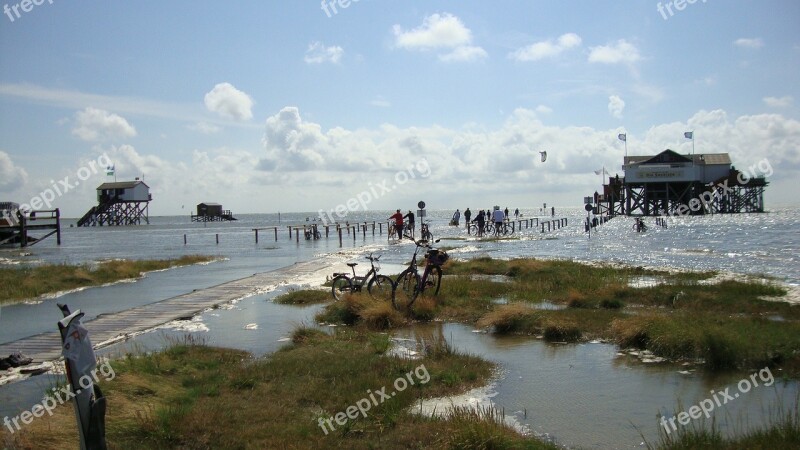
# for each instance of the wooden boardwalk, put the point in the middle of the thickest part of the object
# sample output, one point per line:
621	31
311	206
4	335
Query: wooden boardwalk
107	328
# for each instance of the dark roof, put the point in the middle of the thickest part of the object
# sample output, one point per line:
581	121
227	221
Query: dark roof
121	185
209	204
670	156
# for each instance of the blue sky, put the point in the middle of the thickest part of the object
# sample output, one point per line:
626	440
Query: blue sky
267	106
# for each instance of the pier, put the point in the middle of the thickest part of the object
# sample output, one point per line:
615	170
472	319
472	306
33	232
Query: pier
22	228
107	329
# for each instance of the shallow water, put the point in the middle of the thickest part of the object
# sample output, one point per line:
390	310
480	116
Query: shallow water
584	394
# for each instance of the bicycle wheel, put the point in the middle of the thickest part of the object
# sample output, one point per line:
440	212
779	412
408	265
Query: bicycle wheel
434	281
510	230
473	229
488	228
341	285
405	290
380	287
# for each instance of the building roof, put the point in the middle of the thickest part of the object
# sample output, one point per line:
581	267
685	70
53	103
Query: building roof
209	204
670	156
121	185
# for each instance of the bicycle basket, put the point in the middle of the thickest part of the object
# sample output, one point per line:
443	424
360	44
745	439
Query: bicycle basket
437	257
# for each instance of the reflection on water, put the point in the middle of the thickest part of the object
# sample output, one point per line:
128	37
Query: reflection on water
585	395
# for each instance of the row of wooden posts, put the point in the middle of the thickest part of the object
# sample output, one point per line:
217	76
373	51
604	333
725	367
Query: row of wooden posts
353	229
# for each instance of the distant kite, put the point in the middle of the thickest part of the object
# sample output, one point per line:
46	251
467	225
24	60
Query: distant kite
544	156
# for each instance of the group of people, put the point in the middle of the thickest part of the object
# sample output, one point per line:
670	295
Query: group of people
400	225
497	216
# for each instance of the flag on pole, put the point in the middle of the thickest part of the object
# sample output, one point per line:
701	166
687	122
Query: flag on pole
110	170
689	135
623	137
544	155
601	171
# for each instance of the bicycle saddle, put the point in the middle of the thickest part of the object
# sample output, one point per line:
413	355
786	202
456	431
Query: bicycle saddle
352	264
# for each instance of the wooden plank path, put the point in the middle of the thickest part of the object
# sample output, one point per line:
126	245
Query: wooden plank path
119	325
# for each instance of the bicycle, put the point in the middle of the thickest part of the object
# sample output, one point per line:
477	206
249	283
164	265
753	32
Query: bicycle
424	231
392	231
503	230
378	286
312	233
476	230
410	284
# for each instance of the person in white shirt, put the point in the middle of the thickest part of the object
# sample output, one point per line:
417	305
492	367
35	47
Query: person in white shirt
498	217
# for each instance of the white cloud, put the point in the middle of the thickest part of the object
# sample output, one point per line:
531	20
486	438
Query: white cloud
616	106
546	49
436	31
621	51
94	124
12	176
380	102
544	109
317	53
204	127
464	54
229	102
779	102
753	43
441	32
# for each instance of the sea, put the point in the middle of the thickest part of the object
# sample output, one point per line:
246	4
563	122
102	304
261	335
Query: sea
598	411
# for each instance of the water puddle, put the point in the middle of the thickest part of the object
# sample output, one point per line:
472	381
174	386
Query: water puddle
592	395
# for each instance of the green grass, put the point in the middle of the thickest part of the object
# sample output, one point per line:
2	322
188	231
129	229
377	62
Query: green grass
726	324
19	283
782	432
192	396
304	297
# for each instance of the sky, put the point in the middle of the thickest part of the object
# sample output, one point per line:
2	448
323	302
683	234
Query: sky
290	105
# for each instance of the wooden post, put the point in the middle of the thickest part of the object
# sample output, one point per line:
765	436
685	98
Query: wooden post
340	236
256	230
290	231
58	226
217	235
373	229
364	229
184	239
327	230
354	232
380	228
276	233
297	235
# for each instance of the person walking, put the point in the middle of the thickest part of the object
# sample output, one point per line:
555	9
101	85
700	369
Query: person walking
456	218
506	212
398	223
498	217
480	219
516	213
467	216
410	217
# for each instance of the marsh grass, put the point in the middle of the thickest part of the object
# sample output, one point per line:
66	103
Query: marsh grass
304	297
19	283
202	397
782	431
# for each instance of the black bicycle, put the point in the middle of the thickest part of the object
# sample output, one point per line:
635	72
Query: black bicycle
378	286
411	285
